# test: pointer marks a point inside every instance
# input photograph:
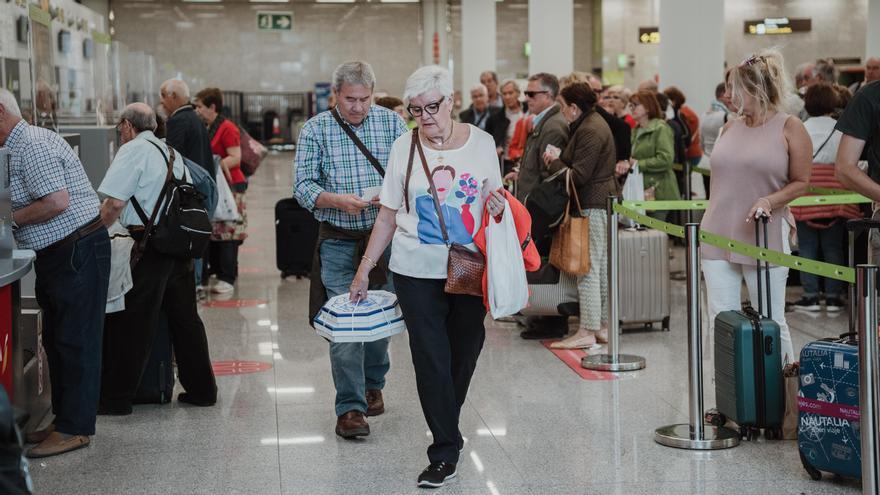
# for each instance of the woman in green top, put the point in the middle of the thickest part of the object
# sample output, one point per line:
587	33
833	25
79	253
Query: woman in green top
653	149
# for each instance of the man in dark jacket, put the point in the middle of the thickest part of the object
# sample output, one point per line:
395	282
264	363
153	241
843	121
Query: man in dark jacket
185	132
488	118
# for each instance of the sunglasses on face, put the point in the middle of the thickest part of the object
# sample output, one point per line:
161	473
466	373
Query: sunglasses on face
430	108
532	94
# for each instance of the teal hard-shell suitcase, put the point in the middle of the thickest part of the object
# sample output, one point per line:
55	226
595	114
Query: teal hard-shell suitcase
748	367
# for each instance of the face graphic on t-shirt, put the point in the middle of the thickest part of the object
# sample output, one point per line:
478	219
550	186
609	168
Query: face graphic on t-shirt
461	223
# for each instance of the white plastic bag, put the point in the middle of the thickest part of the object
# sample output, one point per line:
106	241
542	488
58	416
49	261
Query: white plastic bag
508	288
633	190
226	210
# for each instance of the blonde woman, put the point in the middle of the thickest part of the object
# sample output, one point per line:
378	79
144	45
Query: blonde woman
760	163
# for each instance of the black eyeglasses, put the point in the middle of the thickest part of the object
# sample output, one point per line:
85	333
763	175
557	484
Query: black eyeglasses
532	94
430	108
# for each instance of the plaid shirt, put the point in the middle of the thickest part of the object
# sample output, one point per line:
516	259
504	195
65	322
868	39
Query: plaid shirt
43	163
328	161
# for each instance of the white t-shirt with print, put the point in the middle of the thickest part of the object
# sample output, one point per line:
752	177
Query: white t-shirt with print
418	249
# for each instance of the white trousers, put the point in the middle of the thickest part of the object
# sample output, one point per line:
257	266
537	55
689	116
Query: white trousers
724	288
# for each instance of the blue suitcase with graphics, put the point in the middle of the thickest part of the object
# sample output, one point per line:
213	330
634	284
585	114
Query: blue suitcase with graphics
828	408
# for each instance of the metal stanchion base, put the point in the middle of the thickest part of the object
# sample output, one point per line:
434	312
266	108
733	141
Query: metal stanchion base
679	436
607	362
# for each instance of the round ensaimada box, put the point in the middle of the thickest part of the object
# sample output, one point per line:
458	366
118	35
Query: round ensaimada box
375	317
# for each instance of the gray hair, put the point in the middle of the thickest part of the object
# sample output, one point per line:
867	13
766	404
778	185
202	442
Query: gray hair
7	100
508	82
481	88
825	70
548	82
177	87
425	79
140	116
357	72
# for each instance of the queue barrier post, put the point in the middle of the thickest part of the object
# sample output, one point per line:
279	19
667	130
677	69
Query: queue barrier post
869	367
695	435
613	360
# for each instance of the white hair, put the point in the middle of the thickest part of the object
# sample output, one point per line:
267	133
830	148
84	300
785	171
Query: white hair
480	87
428	78
357	73
7	100
177	87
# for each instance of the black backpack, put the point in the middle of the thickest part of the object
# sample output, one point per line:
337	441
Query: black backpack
184	229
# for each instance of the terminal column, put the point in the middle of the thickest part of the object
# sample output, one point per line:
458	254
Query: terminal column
435	38
692	48
478	43
551	36
872	38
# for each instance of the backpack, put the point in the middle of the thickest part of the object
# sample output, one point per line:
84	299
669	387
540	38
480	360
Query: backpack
184	229
15	478
203	183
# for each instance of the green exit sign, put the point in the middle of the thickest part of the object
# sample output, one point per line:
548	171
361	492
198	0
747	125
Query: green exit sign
275	21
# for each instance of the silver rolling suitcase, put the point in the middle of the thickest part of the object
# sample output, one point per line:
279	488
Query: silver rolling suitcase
551	293
644	277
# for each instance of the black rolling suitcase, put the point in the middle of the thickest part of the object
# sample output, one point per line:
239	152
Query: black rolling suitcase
296	232
157	381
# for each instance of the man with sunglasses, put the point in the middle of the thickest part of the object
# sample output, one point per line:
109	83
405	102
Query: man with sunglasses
549	128
55	213
340	162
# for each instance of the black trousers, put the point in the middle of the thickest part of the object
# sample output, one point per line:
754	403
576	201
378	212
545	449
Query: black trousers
223	260
446	335
160	283
71	289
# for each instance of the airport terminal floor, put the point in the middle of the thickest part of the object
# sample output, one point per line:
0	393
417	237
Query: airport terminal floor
531	423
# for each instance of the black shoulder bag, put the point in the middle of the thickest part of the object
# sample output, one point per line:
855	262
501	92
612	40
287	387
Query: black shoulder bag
357	142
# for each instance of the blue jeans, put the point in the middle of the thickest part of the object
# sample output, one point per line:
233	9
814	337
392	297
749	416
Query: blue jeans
71	290
833	247
357	367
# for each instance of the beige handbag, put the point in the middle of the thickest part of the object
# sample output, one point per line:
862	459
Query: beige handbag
570	251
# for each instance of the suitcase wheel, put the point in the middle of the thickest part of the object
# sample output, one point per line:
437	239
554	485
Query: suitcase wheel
750	433
814	473
666	324
772	433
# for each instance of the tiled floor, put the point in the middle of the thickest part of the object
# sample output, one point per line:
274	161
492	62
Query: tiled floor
532	425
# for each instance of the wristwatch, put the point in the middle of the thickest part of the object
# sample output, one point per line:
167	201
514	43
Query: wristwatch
12	221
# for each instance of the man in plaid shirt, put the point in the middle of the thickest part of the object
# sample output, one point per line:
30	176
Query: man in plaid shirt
339	184
55	213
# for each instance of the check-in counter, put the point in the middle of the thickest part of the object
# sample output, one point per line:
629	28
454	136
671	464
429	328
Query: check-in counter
24	372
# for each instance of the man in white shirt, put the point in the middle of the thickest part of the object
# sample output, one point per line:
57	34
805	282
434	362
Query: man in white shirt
163	285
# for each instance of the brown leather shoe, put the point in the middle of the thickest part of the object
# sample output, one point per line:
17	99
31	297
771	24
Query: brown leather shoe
351	425
375	404
38	436
56	444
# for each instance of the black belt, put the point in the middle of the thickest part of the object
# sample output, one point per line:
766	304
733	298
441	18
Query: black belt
77	234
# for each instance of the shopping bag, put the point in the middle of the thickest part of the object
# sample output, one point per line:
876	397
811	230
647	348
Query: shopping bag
633	190
508	288
374	317
570	251
226	210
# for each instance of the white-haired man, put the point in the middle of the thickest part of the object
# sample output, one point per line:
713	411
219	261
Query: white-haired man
184	131
55	213
341	156
872	73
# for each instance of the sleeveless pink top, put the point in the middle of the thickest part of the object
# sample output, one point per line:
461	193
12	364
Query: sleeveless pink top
747	163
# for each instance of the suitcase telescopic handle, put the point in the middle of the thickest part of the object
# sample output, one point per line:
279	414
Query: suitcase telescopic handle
766	245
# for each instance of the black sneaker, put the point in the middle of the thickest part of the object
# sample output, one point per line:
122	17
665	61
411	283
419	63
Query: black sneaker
833	304
435	475
807	304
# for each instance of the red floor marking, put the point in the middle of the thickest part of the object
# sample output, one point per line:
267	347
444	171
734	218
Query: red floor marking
234	303
250	269
572	359
222	368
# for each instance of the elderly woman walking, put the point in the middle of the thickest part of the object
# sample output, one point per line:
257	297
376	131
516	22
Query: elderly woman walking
448	169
